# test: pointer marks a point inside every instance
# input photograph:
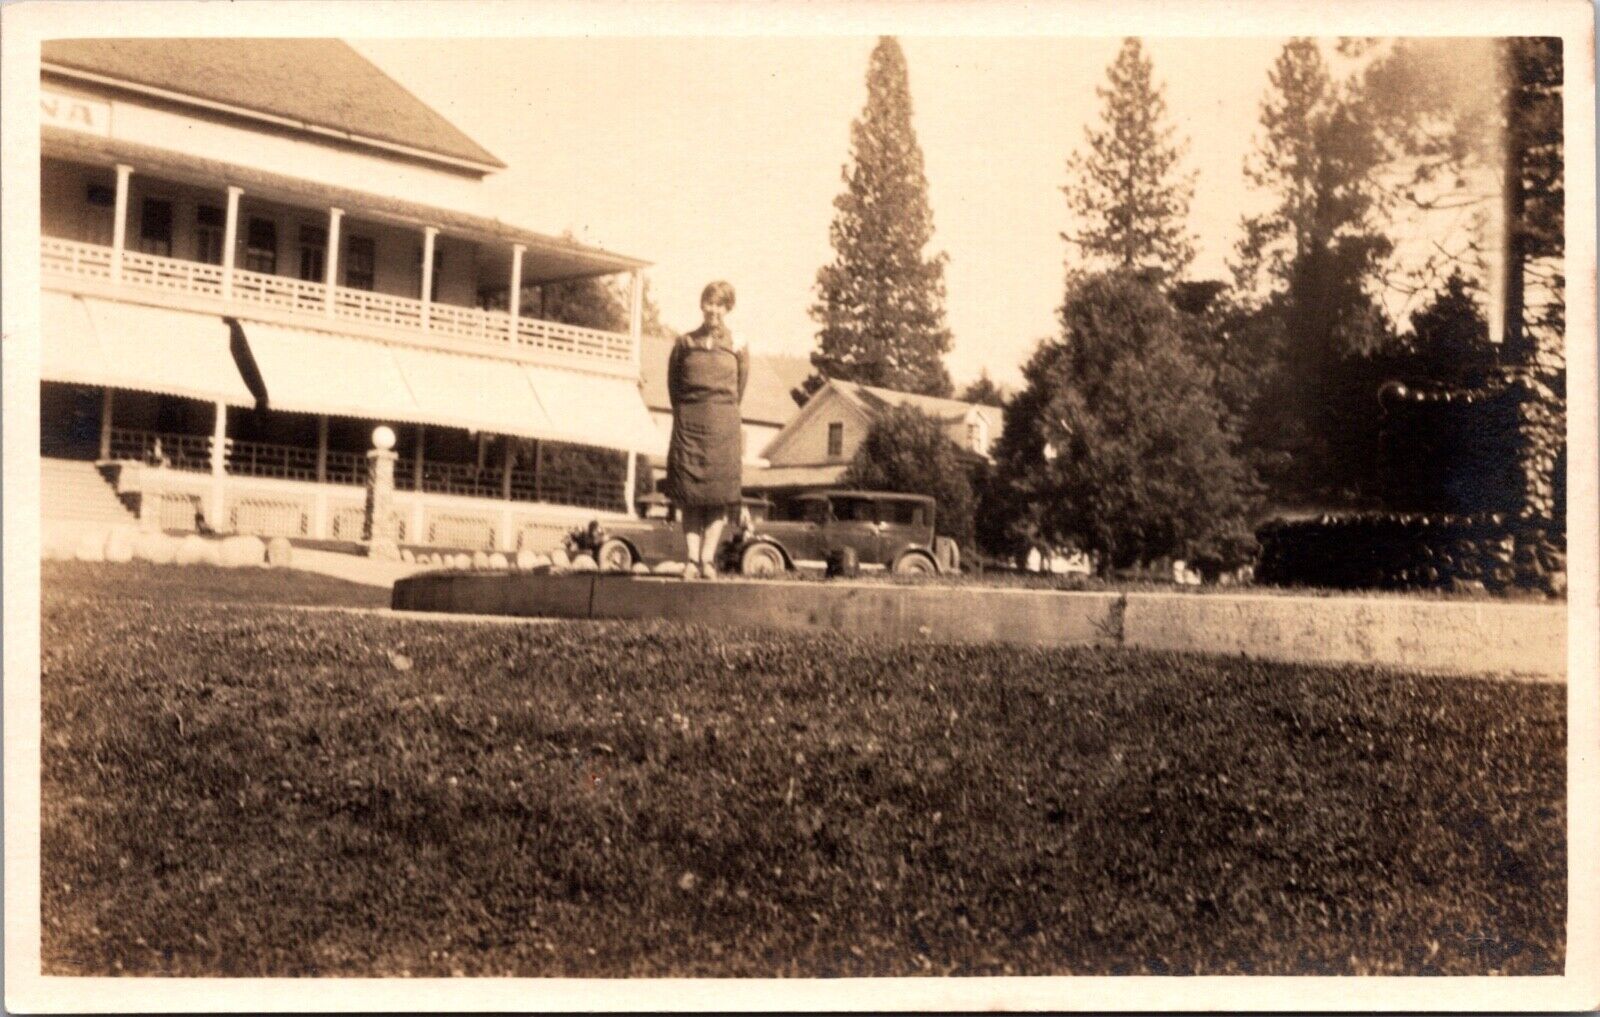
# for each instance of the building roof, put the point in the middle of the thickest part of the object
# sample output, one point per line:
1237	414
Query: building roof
878	399
766	394
543	249
320	84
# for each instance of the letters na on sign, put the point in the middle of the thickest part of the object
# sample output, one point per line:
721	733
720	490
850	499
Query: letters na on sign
75	112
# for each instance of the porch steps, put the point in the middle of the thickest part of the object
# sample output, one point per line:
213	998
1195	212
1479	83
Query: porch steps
73	491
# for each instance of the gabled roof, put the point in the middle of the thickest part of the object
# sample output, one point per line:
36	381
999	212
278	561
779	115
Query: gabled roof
766	394
876	400
319	84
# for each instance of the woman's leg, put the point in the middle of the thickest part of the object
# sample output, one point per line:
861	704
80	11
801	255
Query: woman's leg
694	524
713	536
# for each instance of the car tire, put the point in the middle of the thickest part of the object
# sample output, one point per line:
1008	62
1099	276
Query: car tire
915	563
614	556
761	560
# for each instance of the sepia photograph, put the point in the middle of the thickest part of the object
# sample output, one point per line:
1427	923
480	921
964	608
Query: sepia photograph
875	500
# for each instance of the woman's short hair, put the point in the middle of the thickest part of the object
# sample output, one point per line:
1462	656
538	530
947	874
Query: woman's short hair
719	293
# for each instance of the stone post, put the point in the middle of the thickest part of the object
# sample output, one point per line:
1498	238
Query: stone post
377	528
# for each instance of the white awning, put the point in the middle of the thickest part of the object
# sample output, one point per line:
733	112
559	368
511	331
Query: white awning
89	341
595	409
324	372
320	372
477	393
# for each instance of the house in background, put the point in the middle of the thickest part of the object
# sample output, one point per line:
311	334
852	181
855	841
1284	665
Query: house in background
767	405
814	449
254	251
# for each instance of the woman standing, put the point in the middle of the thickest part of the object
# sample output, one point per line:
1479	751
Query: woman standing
706	376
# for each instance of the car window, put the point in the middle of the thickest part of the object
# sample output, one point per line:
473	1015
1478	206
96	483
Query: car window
859	510
903	512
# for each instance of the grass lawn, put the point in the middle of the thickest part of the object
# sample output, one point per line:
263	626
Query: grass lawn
185	584
275	792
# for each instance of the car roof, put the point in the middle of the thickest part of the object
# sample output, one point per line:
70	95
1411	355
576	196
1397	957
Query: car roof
874	495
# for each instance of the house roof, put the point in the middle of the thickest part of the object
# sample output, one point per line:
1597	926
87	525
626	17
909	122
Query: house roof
878	399
766	394
321	84
558	254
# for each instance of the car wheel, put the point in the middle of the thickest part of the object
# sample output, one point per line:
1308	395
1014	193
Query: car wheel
915	563
614	556
761	560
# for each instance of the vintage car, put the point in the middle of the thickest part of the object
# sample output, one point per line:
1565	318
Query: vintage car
876	529
656	535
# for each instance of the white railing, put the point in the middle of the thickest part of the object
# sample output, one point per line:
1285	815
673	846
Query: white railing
176	451
67	257
152	271
308	301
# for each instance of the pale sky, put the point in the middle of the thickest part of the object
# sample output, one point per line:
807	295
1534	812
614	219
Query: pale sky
721	157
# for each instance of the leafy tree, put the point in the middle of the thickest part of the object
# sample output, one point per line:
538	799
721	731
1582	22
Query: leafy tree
1117	444
1305	270
906	450
1130	200
881	302
596	302
984	390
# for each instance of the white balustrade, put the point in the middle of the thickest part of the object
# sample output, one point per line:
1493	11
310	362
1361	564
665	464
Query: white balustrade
308	300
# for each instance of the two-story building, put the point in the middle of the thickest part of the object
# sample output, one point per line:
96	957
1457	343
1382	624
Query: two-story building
255	251
815	448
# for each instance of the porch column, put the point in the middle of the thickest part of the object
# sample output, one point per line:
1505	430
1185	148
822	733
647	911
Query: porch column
230	239
319	501
106	401
119	227
514	294
507	541
219	463
630	478
415	534
429	233
331	275
635	314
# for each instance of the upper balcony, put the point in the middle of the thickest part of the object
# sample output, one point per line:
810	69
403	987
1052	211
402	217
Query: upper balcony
92	268
285	251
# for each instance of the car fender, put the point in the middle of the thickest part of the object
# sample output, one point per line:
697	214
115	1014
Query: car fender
762	538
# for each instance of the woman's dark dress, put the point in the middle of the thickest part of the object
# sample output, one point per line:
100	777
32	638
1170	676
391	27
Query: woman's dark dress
705	380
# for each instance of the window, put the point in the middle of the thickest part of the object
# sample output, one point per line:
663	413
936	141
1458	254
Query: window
835	440
261	246
313	253
155	227
208	232
101	196
360	260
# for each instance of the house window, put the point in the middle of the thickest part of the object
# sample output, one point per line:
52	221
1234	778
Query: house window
101	196
360	260
313	253
261	246
835	440
209	228
155	227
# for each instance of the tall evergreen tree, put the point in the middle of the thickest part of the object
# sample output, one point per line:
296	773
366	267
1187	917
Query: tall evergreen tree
1307	265
881	302
1127	194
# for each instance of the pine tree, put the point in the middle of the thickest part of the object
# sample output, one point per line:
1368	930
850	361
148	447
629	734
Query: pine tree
881	302
984	390
1129	199
1306	268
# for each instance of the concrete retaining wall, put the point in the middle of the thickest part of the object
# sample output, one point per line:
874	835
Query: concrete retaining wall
1469	637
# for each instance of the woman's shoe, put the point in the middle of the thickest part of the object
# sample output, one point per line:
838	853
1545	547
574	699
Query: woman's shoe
691	571
709	571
